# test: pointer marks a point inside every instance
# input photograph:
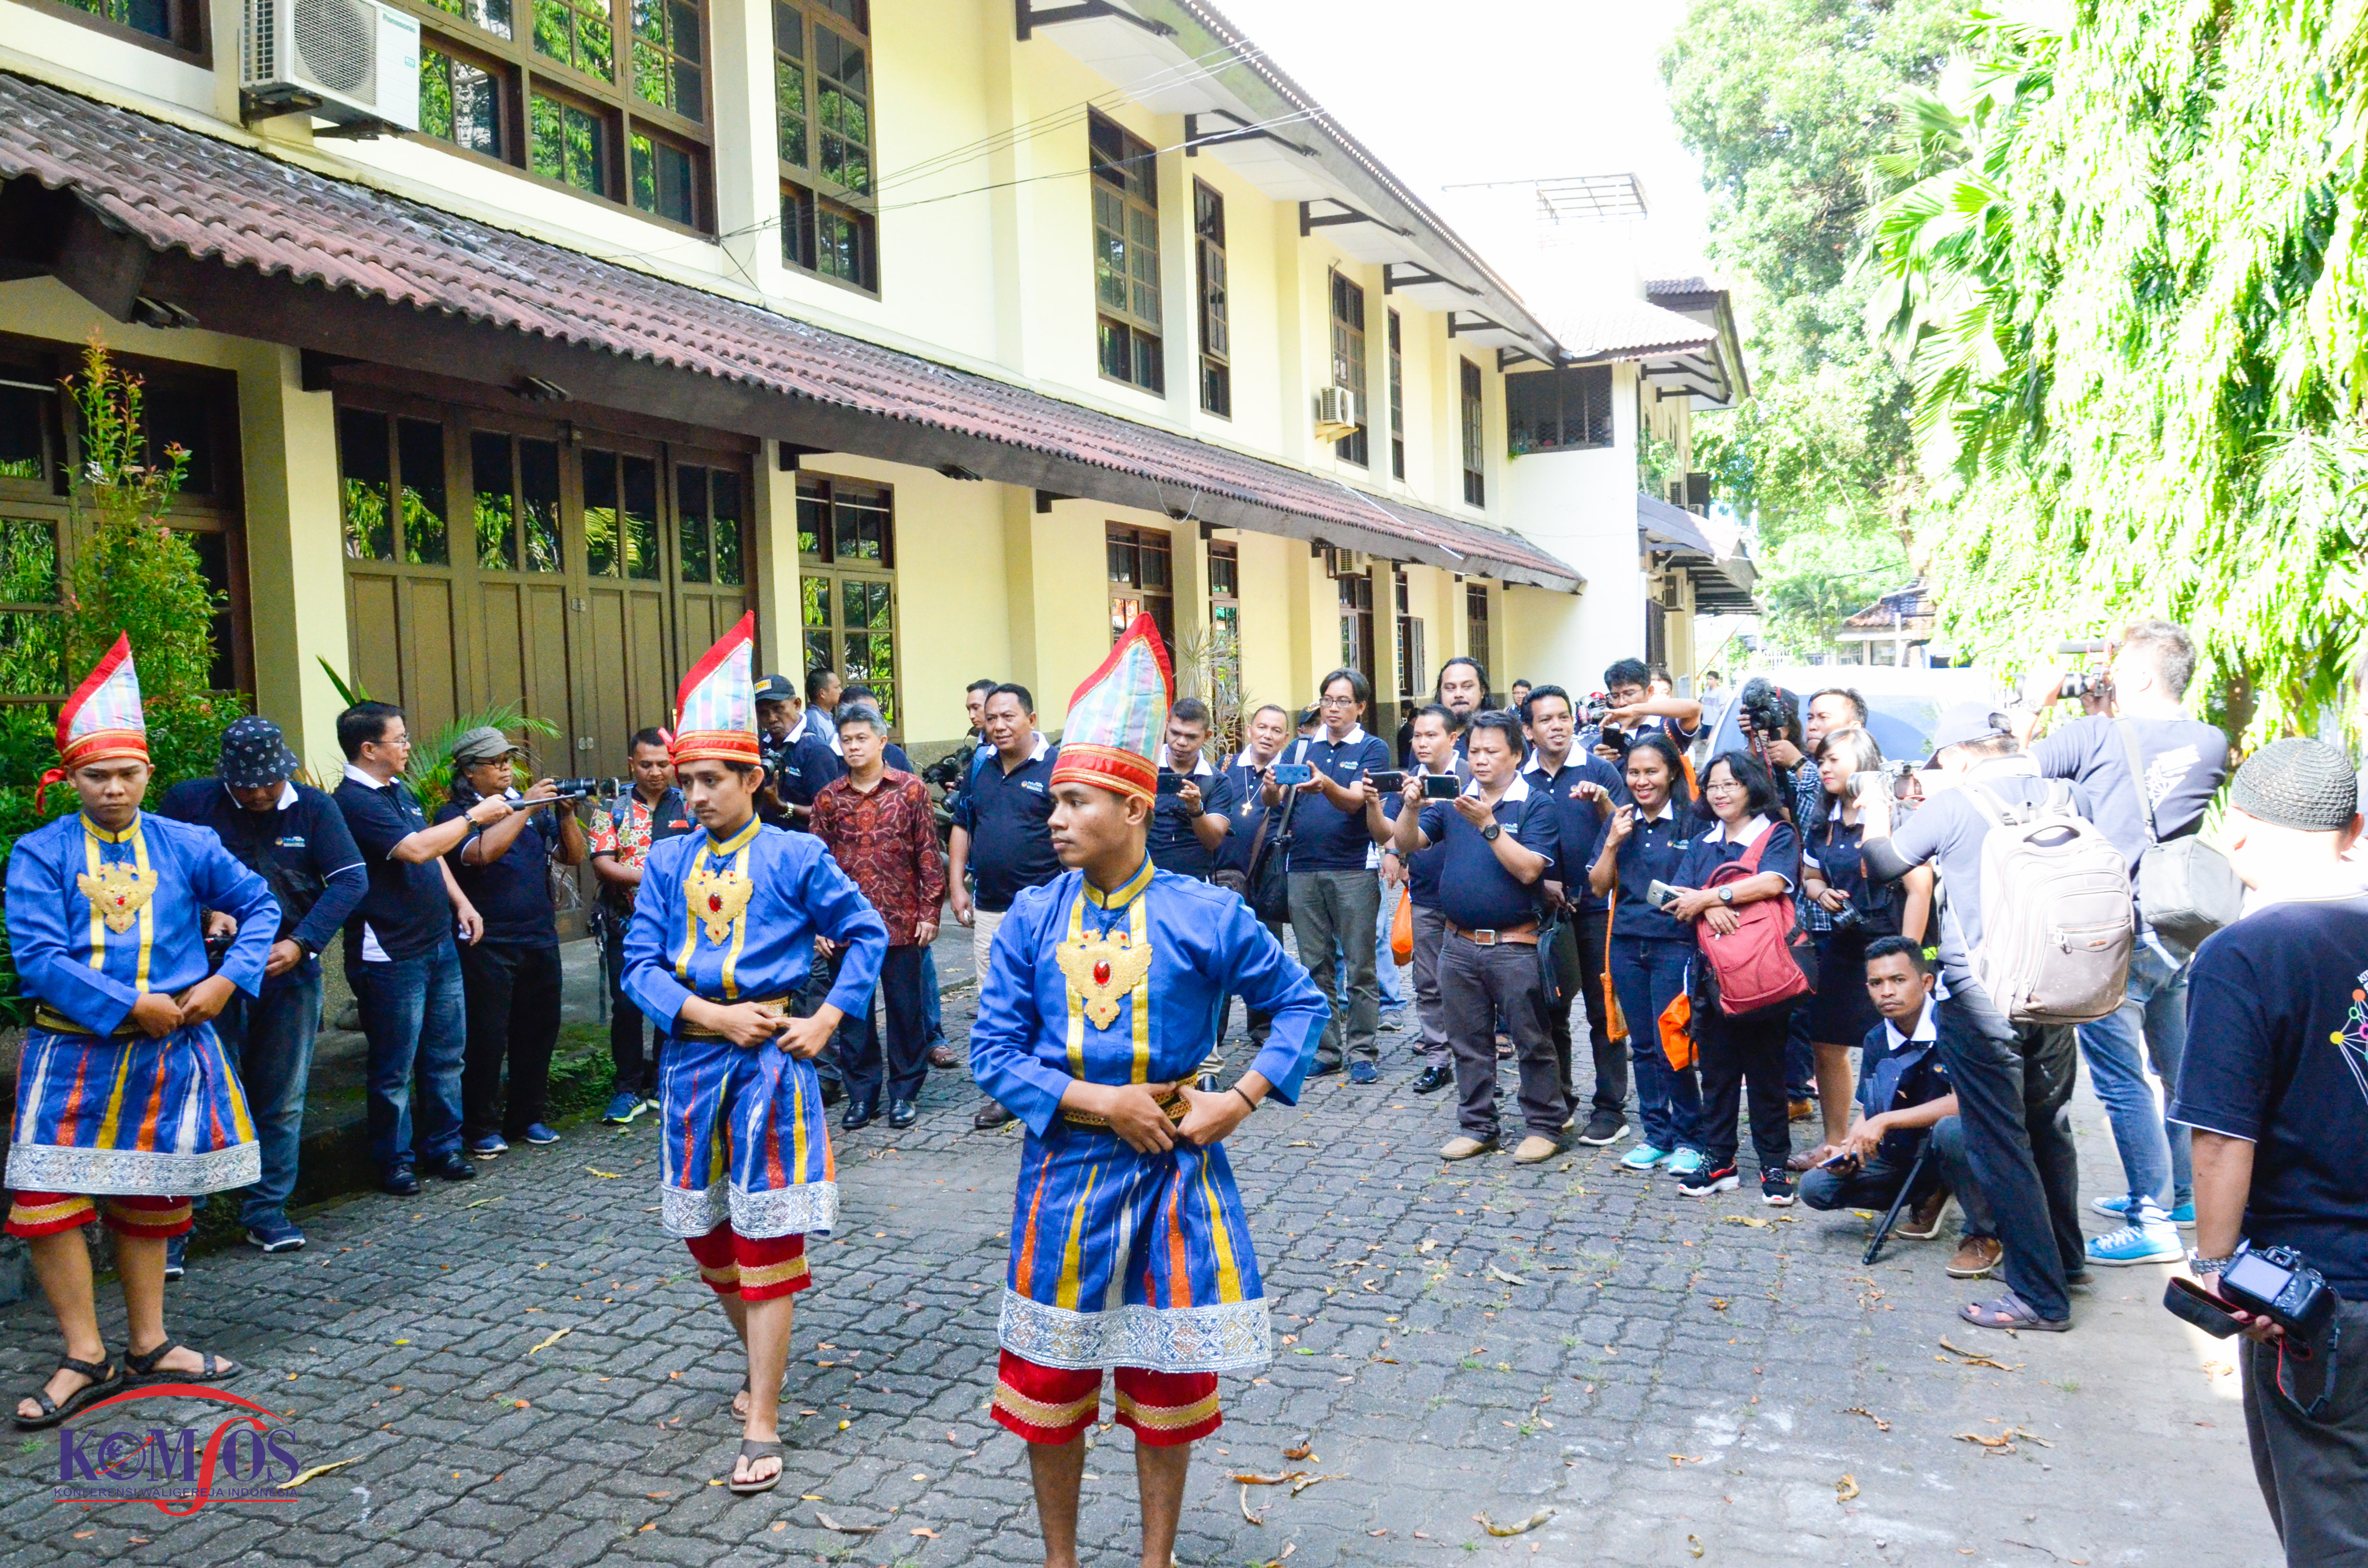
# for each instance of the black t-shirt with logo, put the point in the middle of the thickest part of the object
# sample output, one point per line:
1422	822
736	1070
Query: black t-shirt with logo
2184	759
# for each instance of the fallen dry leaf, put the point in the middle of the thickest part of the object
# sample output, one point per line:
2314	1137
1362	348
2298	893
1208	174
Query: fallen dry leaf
1532	1522
1258	1519
301	1476
482	1202
1754	1220
925	1530
1999	1445
1694	1545
830	1523
1300	1452
1687	1459
1507	1279
2028	1437
1249	1479
1304	1482
1717	1305
1880	1424
1845	1489
1975	1358
1426	1245
556	1337
605	1175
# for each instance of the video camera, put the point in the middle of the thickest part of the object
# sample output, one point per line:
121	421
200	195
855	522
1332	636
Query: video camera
605	789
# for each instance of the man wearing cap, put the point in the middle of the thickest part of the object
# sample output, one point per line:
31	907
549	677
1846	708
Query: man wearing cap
125	1101
623	833
1102	993
510	979
294	837
778	714
2013	1080
724	933
2274	1091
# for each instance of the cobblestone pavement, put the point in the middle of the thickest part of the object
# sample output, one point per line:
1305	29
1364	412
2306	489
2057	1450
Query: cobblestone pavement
524	1370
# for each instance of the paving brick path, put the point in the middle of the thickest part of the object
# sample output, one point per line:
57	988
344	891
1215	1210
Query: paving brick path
528	1372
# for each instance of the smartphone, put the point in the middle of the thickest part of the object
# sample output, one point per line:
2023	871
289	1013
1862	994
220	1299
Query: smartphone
1388	780
1659	893
1831	1161
2188	1300
1291	774
1441	787
1171	782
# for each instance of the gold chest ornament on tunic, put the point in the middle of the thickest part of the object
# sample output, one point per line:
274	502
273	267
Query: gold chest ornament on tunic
1102	970
118	892
717	898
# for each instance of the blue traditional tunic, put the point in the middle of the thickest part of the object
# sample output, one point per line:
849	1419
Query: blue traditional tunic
1121	1258
94	919
735	921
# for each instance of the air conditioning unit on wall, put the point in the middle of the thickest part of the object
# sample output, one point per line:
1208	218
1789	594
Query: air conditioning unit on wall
1335	414
355	62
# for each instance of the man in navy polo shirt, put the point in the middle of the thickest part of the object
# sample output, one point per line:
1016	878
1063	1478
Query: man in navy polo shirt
1335	897
1002	832
294	837
1499	841
1636	706
1265	735
1435	728
812	760
1582	788
399	954
623	833
1190	825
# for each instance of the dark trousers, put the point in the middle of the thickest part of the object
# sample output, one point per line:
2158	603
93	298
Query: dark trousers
1648	976
1429	931
1610	1059
269	1039
1476	983
1801	1052
1742	1056
634	1044
906	1035
2313	1472
512	995
822	973
1876	1183
2013	1082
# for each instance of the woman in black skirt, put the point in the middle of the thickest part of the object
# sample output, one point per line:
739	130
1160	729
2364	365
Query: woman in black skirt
1840	1014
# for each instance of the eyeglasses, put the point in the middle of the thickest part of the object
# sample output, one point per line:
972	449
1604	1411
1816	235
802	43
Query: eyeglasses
1338	701
1721	789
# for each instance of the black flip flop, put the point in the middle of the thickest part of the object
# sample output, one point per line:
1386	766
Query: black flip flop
104	1379
140	1369
753	1450
2012	1314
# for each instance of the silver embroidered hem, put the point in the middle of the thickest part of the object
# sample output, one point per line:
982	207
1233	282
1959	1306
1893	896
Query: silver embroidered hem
1229	1337
132	1173
808	1208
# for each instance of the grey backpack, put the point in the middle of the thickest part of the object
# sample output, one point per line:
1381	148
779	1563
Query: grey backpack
2187	890
2057	921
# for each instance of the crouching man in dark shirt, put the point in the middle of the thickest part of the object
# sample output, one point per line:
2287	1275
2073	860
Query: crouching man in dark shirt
2274	1088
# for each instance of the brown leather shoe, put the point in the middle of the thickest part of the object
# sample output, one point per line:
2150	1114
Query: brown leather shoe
942	1055
990	1117
1922	1222
1976	1255
1803	1109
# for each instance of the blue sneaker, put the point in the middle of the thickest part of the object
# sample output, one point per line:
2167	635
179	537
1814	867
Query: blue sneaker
486	1147
621	1109
2136	1244
275	1234
1643	1157
1365	1073
2183	1216
177	1252
1685	1163
537	1132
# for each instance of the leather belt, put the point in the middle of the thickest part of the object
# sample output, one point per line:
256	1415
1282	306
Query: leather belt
1175	1107
1516	935
58	1023
692	1031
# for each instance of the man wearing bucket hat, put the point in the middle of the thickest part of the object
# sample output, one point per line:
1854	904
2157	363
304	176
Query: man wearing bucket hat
293	837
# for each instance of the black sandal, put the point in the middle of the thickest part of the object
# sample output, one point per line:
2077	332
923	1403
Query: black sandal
104	1379
752	1449
141	1369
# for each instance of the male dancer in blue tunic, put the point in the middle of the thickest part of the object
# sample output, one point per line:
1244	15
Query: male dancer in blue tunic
723	937
124	1098
1103	993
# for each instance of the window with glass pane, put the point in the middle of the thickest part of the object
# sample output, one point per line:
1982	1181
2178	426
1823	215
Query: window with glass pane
842	245
419	453
842	109
174	22
1226	614
707	524
496	513
1476	619
365	464
28	429
1397	401
581	34
1216	337
1142	578
1475	482
1355	591
823	134
667	61
726	515
571	145
492	16
847	594
1126	255
459	102
32	622
665	179
1349	361
1548	411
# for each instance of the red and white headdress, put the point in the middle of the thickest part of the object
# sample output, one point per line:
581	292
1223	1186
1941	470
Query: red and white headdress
102	719
1118	717
715	710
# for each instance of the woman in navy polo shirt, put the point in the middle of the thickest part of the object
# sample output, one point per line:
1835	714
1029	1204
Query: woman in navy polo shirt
1649	953
1734	1050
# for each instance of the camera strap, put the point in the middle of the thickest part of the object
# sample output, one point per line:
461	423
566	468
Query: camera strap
2137	778
2306	1373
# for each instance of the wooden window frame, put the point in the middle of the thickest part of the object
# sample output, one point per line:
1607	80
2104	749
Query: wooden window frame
1345	300
1135	192
521	72
192	25
1476	619
1213	302
1397	398
1355	591
808	193
1413	657
1127	597
824	565
1472	406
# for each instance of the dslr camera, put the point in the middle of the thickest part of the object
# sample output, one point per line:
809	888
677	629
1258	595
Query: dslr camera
946	770
2277	1283
1765	709
607	789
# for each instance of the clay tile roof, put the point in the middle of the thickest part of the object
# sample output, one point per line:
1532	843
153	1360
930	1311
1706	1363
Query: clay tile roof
177	190
1909	604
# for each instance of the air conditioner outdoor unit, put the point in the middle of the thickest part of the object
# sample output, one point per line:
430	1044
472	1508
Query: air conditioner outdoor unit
352	62
1673	593
1335	414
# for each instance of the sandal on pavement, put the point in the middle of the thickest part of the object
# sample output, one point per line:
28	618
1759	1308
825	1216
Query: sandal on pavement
104	1379
752	1449
2011	1312
211	1368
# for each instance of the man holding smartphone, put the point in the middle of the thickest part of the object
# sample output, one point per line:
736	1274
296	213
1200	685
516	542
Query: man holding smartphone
1583	789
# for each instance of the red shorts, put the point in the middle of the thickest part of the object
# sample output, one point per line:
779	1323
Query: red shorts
1049	1404
755	1268
48	1213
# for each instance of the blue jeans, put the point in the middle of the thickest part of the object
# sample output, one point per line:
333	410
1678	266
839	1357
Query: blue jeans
1648	976
2151	1024
417	1022
269	1039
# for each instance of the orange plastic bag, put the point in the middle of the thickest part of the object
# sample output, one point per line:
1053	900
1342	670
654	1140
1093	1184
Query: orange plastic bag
1615	1022
1401	931
1677	1032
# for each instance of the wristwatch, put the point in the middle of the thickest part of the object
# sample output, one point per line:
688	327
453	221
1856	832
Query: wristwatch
1488	834
2202	1265
1726	895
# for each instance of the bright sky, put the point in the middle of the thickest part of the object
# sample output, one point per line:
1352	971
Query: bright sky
1499	90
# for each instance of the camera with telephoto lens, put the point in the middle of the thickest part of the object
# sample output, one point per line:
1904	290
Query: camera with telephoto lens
1765	709
1597	707
576	788
2082	683
1891	777
943	773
